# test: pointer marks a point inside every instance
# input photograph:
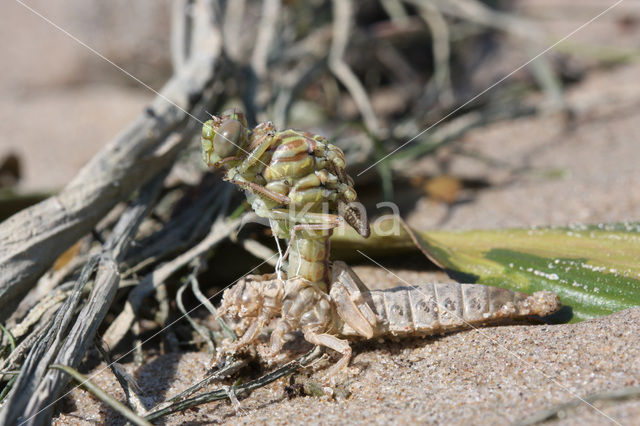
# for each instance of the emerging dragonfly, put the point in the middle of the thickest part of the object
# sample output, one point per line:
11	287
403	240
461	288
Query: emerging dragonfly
295	179
298	181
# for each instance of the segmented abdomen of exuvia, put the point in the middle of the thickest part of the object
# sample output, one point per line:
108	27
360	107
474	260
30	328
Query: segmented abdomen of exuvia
440	307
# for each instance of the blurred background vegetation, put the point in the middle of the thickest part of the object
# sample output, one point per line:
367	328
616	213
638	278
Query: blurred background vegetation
407	65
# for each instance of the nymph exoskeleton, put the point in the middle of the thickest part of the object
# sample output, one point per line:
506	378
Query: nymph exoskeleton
352	311
295	179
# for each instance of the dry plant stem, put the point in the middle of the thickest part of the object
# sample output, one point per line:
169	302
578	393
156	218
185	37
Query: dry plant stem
218	394
180	33
129	386
121	325
291	83
43	352
138	354
553	413
226	371
36	407
395	10
20	352
476	11
259	250
440	82
103	396
37	312
195	288
342	17
206	302
162	299
46	286
32	239
204	332
179	232
266	33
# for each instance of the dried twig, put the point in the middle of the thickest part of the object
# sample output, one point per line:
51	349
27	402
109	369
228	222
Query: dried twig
121	325
342	16
35	335
226	371
32	239
553	413
69	350
218	394
102	395
132	391
42	353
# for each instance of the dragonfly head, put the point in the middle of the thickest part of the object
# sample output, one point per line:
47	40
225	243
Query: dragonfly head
224	139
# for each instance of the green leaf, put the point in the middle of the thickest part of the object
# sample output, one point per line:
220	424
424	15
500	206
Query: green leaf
595	269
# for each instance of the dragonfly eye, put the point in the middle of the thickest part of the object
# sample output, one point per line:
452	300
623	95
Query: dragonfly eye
227	139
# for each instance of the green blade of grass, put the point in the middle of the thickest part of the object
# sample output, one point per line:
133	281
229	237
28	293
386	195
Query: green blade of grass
595	269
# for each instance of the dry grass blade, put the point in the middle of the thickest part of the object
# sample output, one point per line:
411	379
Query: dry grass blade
555	412
229	369
103	396
128	383
218	394
42	353
204	332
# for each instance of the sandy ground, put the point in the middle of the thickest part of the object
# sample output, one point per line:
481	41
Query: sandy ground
583	170
483	376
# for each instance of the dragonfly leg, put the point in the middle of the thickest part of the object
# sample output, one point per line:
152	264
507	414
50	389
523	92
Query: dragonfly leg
261	139
347	293
332	342
260	190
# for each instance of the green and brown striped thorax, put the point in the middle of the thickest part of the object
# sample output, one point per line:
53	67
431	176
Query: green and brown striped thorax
282	169
291	156
296	165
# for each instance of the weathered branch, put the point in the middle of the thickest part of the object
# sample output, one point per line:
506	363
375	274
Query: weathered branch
36	407
123	322
32	239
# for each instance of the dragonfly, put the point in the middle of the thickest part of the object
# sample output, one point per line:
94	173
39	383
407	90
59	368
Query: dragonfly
295	179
